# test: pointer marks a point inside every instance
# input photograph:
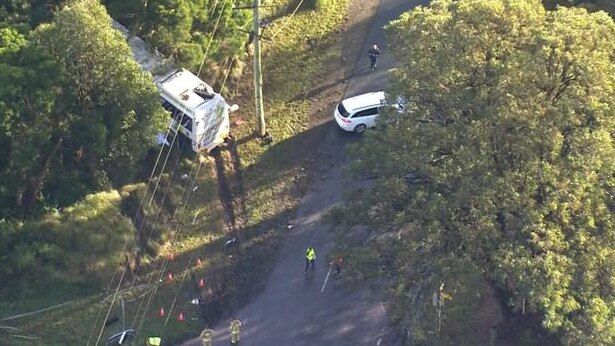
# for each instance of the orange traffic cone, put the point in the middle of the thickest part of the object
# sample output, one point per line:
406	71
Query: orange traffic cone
201	283
180	318
170	277
161	314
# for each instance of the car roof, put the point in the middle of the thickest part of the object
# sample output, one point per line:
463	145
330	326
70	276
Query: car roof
364	100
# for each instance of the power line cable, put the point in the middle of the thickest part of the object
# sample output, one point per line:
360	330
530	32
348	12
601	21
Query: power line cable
143	218
194	180
174	138
177	233
128	240
181	119
171	221
288	20
159	212
211	39
228	71
110	307
207	50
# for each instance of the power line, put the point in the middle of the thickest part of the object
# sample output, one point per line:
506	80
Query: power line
171	221
127	240
149	180
143	215
177	229
164	165
228	71
211	39
162	148
110	307
288	21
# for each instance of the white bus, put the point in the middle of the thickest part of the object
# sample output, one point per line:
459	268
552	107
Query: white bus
201	114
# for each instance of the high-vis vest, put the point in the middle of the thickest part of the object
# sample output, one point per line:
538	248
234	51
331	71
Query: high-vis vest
235	325
207	337
310	254
154	341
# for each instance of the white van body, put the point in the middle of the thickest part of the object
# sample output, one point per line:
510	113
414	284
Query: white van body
200	114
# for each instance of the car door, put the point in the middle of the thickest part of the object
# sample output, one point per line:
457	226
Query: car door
366	116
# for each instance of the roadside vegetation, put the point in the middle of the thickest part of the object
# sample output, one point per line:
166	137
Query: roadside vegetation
500	171
88	216
184	31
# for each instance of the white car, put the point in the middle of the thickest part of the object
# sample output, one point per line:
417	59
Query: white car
356	114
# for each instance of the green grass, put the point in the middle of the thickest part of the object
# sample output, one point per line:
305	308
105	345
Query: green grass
273	179
295	54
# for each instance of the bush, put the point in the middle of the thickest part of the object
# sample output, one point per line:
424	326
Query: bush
80	245
184	29
318	4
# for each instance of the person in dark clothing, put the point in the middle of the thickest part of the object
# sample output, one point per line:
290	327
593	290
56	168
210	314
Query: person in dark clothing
337	266
374	53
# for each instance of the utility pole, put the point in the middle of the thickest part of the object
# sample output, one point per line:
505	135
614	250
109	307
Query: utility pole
258	78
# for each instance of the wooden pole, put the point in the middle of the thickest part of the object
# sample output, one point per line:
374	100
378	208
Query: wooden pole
258	78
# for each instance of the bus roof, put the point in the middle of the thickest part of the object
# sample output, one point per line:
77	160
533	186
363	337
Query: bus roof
185	89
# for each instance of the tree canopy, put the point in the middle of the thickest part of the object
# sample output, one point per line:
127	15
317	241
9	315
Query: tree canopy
187	29
505	154
76	111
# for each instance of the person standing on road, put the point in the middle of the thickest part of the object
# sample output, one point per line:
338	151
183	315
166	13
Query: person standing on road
235	329
374	53
337	266
310	258
207	336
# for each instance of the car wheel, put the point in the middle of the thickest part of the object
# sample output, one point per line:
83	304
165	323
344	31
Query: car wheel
360	128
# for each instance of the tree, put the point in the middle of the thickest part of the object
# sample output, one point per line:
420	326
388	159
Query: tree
117	101
29	120
186	29
505	153
78	113
14	11
30	12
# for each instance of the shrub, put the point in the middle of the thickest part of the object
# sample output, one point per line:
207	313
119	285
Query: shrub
318	4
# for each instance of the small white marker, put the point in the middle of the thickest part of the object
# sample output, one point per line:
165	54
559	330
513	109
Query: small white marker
325	282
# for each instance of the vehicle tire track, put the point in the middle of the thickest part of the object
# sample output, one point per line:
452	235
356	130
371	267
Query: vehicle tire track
224	191
230	185
240	196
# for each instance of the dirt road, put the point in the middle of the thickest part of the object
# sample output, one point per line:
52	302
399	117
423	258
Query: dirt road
295	310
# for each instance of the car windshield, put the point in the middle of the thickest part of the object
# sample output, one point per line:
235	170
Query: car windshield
343	112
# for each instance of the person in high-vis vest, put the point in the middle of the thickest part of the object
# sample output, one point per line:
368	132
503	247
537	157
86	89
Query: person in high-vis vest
235	329
207	336
154	341
310	258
